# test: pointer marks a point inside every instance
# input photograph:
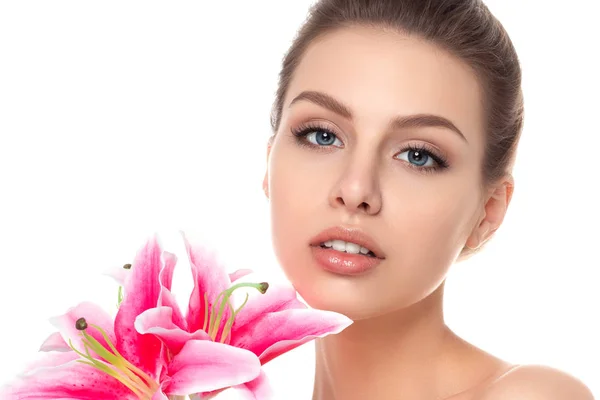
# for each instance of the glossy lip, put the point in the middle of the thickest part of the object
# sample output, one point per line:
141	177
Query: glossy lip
344	263
354	235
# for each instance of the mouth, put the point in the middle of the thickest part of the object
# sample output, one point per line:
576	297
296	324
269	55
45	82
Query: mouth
347	247
348	240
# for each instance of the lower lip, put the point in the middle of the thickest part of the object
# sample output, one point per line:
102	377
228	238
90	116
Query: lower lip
344	263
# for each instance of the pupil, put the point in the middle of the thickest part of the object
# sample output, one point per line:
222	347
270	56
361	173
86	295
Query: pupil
324	138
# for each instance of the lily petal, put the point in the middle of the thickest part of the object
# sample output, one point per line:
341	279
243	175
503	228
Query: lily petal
204	366
55	342
160	396
141	293
278	298
159	322
166	275
166	297
119	274
73	380
303	326
278	322
93	314
240	273
257	389
168	300
50	359
210	279
280	332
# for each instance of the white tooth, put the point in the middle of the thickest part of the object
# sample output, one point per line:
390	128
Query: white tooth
364	250
327	243
352	248
339	245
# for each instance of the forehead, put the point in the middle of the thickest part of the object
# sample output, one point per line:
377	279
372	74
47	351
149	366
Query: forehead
381	74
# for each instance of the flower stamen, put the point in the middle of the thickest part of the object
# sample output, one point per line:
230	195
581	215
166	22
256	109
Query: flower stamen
113	363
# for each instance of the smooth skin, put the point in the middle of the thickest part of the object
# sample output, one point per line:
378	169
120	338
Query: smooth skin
353	83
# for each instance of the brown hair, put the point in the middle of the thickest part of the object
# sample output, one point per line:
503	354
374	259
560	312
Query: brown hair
465	28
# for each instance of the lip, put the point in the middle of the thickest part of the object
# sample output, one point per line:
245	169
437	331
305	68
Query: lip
354	235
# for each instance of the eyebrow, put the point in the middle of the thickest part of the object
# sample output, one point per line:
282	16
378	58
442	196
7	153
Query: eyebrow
407	121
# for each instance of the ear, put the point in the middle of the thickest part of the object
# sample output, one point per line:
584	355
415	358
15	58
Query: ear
265	184
497	201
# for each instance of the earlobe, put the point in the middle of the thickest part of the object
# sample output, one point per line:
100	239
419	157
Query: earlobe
478	235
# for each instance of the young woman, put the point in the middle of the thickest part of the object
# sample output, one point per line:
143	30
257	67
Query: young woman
395	128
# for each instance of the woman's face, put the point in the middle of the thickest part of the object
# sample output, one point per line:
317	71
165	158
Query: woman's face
363	161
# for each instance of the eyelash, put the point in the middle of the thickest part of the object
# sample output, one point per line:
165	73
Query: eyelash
302	131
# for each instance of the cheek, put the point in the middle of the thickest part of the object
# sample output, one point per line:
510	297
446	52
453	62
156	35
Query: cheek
292	207
434	213
433	222
428	231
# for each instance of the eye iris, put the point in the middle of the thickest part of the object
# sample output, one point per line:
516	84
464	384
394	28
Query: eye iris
417	157
324	138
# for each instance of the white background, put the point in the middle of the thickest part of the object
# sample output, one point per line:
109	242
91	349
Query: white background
119	118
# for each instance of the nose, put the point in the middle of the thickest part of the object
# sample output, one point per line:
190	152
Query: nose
357	190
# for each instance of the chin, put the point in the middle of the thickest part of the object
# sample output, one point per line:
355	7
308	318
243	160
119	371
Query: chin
352	297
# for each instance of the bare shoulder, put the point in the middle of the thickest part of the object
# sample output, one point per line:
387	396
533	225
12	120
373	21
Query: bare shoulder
533	382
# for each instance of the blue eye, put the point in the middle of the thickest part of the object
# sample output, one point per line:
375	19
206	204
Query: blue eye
322	138
420	158
316	136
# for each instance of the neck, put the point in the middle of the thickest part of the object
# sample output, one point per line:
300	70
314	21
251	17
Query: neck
404	352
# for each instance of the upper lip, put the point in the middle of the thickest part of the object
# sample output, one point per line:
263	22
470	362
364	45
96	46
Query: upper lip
354	235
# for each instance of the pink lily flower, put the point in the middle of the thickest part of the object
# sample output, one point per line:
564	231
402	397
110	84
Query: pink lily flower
267	325
93	357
